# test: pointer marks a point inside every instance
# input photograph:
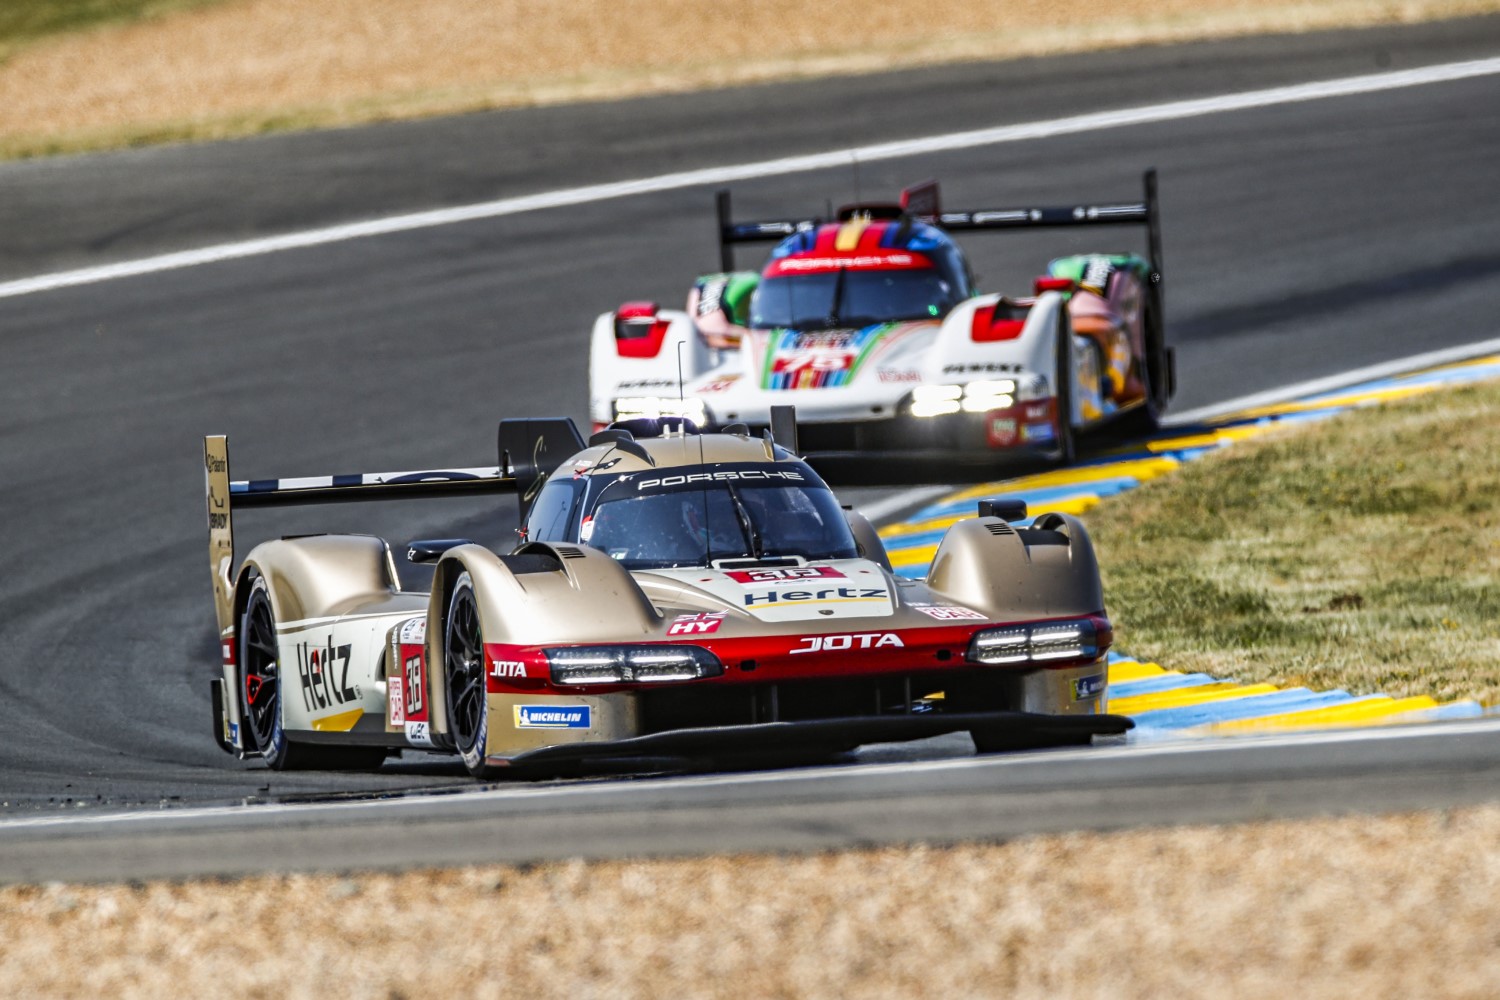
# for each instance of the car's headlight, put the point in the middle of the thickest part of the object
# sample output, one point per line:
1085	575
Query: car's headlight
1083	639
974	397
630	664
1001	645
935	400
990	394
662	406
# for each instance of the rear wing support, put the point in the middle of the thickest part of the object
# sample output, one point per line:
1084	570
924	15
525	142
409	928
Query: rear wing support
529	451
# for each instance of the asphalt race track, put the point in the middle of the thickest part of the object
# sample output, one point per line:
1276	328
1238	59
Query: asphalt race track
938	801
1300	240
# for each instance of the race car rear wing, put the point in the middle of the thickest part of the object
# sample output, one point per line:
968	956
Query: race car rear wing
920	202
529	451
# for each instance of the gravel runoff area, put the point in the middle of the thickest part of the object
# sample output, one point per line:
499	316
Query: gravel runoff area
1399	906
237	67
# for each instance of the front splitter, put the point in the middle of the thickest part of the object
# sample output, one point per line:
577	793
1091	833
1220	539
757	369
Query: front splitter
1016	730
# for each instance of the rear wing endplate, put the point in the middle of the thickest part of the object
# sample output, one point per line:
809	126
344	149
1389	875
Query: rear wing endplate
529	451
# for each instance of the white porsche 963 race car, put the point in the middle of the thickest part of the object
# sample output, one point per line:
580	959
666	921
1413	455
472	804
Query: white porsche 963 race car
871	326
674	594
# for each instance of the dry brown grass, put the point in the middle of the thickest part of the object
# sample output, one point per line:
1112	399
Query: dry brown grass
1360	553
244	66
1401	906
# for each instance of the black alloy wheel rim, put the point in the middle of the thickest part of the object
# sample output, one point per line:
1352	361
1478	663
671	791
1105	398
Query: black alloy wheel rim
262	672
463	658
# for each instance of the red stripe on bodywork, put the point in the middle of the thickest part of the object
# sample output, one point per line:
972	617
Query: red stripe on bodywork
770	659
986	329
1006	428
871	237
878	259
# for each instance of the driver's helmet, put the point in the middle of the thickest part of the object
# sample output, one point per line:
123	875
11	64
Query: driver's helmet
667	528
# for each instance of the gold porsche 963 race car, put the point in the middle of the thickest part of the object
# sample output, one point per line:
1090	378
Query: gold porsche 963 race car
674	594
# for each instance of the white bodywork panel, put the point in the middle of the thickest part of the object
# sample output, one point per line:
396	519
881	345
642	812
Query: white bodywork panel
847	588
331	671
732	384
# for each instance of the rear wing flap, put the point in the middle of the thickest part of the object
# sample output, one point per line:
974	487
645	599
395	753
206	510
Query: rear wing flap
767	231
529	451
921	203
1142	213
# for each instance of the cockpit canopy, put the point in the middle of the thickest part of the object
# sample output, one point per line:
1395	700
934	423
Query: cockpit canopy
696	515
887	272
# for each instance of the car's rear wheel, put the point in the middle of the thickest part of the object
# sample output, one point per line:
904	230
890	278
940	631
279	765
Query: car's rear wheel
1154	371
260	673
463	677
261	699
1064	447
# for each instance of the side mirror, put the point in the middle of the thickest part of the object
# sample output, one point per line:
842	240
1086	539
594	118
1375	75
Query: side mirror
865	536
1005	509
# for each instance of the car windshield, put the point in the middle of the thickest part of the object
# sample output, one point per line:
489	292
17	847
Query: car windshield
649	521
850	298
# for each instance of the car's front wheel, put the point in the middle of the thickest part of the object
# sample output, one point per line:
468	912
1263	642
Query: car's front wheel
463	677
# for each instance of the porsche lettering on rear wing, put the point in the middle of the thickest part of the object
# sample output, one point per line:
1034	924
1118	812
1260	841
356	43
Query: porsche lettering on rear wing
920	203
529	451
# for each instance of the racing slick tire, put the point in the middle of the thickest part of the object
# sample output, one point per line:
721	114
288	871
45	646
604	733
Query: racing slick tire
463	677
261	672
1065	450
1155	373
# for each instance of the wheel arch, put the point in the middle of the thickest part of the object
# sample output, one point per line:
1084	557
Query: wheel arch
541	593
1045	571
319	575
298	586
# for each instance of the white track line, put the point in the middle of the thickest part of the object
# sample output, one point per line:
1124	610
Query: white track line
418	802
1173	111
1328	383
896	502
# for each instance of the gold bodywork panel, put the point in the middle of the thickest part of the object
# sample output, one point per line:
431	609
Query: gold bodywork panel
334	599
670	454
520	722
983	563
328	591
324	576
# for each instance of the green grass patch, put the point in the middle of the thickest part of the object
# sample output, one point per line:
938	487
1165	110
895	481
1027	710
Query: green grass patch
1360	553
25	21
